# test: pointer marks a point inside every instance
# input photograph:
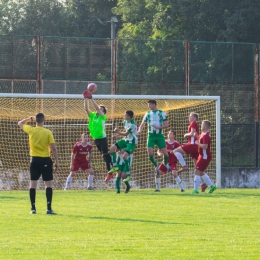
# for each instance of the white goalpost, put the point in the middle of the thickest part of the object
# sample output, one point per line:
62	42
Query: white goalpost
67	119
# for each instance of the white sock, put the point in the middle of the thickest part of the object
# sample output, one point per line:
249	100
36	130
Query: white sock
207	180
180	158
179	181
90	180
68	182
202	181
196	182
158	183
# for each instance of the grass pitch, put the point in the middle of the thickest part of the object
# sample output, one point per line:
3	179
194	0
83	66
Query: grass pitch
139	225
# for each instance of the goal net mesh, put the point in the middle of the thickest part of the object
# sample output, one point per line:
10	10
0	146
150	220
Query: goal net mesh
67	119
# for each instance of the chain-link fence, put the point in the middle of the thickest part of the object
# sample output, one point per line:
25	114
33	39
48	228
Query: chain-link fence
31	64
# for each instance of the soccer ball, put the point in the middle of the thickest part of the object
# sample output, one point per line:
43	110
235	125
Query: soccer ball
92	87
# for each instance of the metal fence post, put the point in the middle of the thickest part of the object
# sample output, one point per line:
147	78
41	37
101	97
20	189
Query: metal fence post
39	72
114	79
187	67
256	102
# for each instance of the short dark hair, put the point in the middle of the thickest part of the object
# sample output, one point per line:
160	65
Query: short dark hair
207	122
173	131
151	101
195	115
105	110
129	113
39	117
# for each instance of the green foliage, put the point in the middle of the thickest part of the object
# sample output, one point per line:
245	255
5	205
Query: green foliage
139	225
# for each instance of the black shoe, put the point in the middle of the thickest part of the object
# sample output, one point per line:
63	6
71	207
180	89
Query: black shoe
33	211
118	192
51	212
127	189
182	190
157	190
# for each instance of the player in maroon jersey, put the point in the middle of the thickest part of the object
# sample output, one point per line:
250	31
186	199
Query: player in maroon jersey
171	144
190	148
204	158
79	160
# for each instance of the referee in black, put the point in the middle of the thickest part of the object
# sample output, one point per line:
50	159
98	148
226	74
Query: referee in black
41	142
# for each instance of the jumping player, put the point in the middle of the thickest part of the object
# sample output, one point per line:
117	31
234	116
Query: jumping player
190	148
172	144
128	143
204	158
79	160
156	121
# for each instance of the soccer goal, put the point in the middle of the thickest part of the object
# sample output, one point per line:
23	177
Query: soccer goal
67	119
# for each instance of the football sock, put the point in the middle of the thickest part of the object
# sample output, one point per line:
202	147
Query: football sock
179	181
113	157
126	168
202	181
90	180
206	179
196	182
158	183
32	193
180	158
165	159
49	197
127	184
68	182
118	183
153	160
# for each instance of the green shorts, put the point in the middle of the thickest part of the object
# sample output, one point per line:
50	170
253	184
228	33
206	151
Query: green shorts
156	139
123	144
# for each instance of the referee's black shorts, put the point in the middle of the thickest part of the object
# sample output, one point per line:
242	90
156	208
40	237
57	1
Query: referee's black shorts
41	166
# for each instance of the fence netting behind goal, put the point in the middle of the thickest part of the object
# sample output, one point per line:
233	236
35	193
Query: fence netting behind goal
67	119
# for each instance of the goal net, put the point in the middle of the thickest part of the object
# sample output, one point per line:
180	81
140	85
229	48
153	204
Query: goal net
67	119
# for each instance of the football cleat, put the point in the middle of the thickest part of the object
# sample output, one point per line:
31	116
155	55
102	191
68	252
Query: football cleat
182	190
212	188
128	178
109	177
157	190
195	192
203	187
182	169
33	211
114	169
90	188
51	212
127	189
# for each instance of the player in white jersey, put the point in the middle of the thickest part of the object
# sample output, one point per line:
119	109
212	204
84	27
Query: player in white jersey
156	121
128	143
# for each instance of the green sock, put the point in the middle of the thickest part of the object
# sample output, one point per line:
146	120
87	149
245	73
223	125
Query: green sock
153	160
165	159
127	184
118	179
126	166
113	157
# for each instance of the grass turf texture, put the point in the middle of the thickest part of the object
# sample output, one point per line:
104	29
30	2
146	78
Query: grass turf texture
139	225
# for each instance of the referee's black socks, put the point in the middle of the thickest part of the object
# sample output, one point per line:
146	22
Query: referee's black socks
49	197
32	193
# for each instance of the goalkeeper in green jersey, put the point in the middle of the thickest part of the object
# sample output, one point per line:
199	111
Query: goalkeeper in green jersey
156	121
128	143
96	126
123	170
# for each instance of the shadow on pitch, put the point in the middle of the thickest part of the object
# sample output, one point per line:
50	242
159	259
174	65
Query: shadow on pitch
143	221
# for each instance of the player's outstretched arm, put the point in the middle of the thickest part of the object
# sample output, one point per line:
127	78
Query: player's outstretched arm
86	106
117	131
100	112
55	155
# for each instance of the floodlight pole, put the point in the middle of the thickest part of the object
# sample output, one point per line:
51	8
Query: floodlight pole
113	60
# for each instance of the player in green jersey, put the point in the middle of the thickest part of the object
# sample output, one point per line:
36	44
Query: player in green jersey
97	129
128	143
156	121
123	166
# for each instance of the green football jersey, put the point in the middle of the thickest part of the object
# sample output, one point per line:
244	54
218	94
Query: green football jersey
131	127
155	118
96	125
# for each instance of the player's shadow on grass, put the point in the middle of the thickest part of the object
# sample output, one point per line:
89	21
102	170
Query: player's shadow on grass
143	220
